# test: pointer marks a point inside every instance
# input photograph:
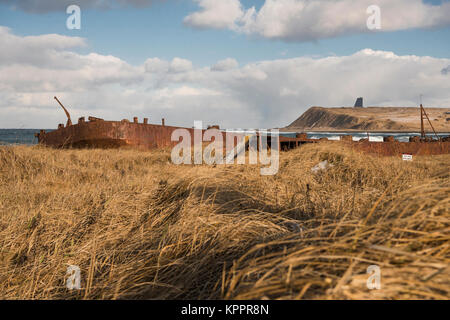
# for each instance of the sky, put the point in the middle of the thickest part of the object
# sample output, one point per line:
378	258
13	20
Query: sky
236	63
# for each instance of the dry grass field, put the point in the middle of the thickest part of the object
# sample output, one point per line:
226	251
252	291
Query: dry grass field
140	227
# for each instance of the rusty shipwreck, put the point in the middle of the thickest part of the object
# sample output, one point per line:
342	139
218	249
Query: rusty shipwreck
99	133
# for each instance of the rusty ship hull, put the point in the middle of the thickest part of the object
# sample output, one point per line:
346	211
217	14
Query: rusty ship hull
396	148
121	134
110	134
389	147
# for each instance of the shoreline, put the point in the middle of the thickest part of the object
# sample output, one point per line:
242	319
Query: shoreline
303	130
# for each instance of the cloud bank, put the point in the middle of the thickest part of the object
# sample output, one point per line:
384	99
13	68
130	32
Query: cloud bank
262	94
305	20
446	70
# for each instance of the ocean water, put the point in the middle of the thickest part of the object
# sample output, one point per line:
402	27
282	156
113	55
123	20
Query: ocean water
26	136
18	136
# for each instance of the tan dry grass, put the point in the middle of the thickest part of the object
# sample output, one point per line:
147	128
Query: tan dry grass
140	227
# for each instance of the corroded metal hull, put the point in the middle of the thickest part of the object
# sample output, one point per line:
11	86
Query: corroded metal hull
98	133
396	148
109	134
389	147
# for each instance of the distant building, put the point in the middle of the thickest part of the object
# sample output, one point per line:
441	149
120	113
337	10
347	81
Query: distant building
359	103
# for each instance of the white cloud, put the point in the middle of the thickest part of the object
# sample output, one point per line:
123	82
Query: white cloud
262	94
446	70
43	63
178	65
156	65
38	50
304	20
224	65
215	14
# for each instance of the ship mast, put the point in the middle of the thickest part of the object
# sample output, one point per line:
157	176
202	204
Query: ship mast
69	121
422	127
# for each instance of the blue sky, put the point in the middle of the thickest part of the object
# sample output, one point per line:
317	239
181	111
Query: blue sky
163	59
134	34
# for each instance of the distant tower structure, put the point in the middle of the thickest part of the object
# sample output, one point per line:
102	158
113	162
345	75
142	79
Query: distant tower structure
359	103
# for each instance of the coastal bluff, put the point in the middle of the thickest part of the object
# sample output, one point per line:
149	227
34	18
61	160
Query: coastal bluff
394	119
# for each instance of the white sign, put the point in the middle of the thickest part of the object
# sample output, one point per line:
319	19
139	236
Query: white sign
407	157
